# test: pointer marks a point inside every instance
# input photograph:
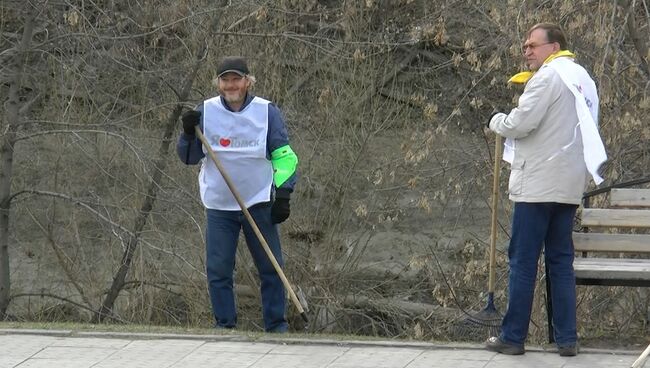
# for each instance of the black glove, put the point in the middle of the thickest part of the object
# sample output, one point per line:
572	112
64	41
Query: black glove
494	112
190	119
280	210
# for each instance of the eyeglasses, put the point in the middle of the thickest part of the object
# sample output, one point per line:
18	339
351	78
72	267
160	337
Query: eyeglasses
532	46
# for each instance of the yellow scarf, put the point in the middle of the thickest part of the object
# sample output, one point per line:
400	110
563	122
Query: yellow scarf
523	77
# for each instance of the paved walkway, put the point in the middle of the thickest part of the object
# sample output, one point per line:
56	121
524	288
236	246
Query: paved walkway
63	349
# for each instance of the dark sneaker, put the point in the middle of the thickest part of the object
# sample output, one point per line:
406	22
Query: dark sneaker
226	328
284	328
495	344
569	350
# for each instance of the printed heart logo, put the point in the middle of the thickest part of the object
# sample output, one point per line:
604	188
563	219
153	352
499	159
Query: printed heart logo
225	142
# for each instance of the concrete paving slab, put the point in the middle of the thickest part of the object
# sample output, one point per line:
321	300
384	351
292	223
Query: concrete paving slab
80	353
49	363
15	349
451	358
58	363
86	342
150	353
295	361
9	362
456	363
236	347
376	357
23	348
294	355
208	359
312	350
457	354
552	359
23	345
587	360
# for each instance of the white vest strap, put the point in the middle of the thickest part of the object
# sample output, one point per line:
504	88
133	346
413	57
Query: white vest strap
583	88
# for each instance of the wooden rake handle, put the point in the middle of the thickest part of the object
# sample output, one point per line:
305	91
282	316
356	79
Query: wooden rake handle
640	362
495	205
248	216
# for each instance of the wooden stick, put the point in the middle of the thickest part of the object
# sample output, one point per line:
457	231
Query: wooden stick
495	205
640	362
248	216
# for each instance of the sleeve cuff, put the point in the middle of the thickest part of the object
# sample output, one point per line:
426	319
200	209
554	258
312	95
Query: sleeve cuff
283	193
489	122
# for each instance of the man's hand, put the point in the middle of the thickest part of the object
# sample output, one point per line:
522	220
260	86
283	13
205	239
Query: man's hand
280	210
492	115
190	119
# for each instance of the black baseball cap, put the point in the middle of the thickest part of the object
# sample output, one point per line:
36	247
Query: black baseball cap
232	64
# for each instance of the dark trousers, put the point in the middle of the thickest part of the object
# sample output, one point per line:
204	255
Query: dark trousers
222	234
533	225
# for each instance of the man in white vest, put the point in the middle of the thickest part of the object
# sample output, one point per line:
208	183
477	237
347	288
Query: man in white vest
553	147
250	138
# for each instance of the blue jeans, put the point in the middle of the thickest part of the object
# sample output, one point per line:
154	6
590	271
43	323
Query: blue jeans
534	224
222	234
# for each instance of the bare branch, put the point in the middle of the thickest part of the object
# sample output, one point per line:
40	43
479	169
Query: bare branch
75	201
26	108
638	40
61	256
64	299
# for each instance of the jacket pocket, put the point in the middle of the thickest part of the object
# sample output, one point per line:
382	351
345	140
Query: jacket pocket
516	183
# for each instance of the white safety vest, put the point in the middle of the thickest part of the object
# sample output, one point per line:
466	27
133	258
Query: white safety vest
239	141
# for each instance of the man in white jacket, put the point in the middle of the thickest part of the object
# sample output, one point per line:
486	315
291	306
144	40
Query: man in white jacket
550	165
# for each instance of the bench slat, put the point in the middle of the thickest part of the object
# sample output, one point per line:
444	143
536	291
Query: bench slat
615	217
598	242
621	197
612	268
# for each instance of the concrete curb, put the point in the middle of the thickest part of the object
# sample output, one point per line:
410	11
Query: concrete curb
278	339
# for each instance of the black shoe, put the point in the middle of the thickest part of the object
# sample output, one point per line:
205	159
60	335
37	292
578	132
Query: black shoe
495	344
226	328
569	350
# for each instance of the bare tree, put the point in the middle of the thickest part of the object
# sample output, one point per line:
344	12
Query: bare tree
15	110
145	210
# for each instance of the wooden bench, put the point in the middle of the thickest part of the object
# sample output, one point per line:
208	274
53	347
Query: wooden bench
622	255
628	209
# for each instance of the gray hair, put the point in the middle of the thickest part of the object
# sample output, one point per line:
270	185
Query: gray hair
251	78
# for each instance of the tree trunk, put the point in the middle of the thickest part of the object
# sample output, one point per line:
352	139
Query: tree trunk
12	121
147	206
638	40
